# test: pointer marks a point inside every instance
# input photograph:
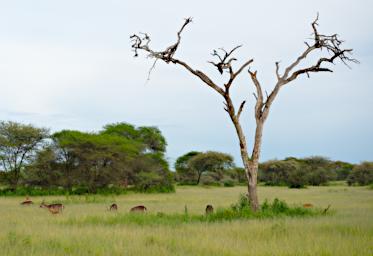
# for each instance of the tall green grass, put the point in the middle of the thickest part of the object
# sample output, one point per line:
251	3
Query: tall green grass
30	230
240	210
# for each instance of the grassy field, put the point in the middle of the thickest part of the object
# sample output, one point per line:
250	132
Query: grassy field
30	230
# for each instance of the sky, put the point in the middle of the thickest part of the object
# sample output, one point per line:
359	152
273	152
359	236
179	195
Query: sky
68	65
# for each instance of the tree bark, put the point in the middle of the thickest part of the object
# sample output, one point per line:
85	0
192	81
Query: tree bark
250	164
199	177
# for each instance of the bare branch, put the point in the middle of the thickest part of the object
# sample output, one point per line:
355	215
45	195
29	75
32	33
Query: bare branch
259	94
224	62
240	109
142	43
331	43
233	75
256	97
247	63
151	69
201	75
277	70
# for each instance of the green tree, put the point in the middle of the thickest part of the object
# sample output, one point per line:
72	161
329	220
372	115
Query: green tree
342	169
215	162
280	173
94	160
318	177
362	174
185	174
44	171
150	137
18	146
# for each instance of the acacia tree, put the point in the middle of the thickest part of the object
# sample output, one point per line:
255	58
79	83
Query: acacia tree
18	145
331	44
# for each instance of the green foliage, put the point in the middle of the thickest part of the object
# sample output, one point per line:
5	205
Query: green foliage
208	180
185	175
192	166
119	156
318	177
18	145
153	182
297	178
92	160
150	137
237	174
228	182
298	173
342	169
362	174
55	191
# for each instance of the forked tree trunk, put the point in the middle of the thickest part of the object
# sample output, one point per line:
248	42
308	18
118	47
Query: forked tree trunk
251	164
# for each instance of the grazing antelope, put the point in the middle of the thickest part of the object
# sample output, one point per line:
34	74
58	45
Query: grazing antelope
27	201
139	208
209	209
52	208
308	205
113	207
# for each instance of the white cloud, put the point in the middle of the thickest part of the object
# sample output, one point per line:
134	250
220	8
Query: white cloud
69	65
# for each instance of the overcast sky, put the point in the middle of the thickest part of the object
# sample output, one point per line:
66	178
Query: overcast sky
68	65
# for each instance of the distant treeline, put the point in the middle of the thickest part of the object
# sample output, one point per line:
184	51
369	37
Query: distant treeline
315	171
215	168
123	157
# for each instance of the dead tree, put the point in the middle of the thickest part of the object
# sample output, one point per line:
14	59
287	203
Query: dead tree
329	46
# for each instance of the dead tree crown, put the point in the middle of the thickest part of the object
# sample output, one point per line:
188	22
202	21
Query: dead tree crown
329	45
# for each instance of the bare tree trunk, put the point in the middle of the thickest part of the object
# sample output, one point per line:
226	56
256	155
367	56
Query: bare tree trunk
250	164
199	177
254	167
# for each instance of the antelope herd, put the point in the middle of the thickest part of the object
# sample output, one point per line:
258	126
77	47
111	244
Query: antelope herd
58	208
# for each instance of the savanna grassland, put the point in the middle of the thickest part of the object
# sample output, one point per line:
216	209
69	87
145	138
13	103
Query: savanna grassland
30	230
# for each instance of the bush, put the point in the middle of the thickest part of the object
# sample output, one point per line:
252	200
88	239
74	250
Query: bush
362	174
207	180
297	179
150	182
297	173
54	191
228	183
318	177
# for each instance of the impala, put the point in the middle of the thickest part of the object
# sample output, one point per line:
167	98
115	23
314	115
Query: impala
113	207
209	209
308	205
139	208
52	208
27	201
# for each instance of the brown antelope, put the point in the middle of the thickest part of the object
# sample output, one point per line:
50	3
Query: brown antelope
139	208
113	207
209	209
308	205
52	208
27	201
